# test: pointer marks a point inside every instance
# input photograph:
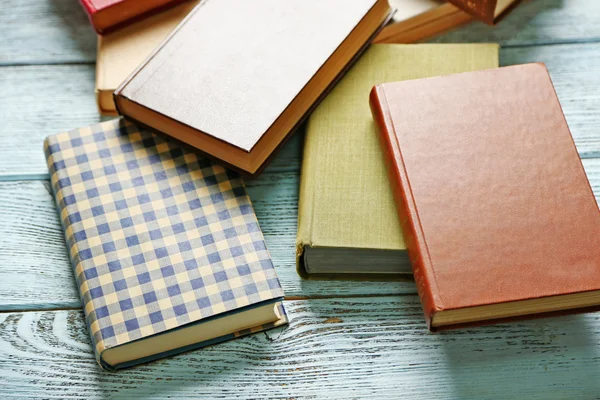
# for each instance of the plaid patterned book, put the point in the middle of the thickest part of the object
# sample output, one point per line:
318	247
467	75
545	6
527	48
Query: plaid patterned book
166	248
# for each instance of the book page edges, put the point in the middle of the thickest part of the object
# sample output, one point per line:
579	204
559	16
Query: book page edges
194	335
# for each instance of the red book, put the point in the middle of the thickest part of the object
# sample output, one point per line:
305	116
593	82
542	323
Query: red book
108	15
499	219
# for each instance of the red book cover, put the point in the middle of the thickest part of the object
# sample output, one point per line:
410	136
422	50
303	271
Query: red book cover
109	15
498	216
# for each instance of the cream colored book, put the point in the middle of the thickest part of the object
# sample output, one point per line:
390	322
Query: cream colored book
120	52
347	222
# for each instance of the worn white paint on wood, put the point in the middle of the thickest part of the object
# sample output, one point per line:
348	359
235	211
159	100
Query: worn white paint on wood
44	32
57	31
37	101
333	348
35	271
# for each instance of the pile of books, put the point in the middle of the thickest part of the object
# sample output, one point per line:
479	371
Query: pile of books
422	159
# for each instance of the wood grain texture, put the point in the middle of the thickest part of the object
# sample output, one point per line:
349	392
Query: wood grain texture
37	101
45	32
57	31
349	348
35	272
33	256
536	22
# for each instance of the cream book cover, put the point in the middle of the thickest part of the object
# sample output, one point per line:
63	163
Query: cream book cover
120	52
347	221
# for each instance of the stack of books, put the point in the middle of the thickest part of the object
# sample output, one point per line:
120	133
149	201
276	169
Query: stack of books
419	159
121	51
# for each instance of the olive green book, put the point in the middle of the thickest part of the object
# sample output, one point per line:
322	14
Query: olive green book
347	220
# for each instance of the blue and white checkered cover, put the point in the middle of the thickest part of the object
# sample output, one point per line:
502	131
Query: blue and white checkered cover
158	236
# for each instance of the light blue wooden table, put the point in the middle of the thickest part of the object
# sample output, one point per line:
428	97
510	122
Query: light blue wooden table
345	339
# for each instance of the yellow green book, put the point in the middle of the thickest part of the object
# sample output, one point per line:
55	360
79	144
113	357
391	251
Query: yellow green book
347	220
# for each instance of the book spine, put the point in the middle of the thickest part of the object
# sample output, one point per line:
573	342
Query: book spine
484	10
118	91
407	212
51	145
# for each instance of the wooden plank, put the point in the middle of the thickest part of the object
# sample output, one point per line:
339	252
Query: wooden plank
45	32
57	31
35	272
536	22
32	250
37	101
333	348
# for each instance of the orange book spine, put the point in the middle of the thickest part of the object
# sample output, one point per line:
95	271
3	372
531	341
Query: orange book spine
407	212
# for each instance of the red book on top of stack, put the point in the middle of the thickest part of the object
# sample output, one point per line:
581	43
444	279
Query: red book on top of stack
109	15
